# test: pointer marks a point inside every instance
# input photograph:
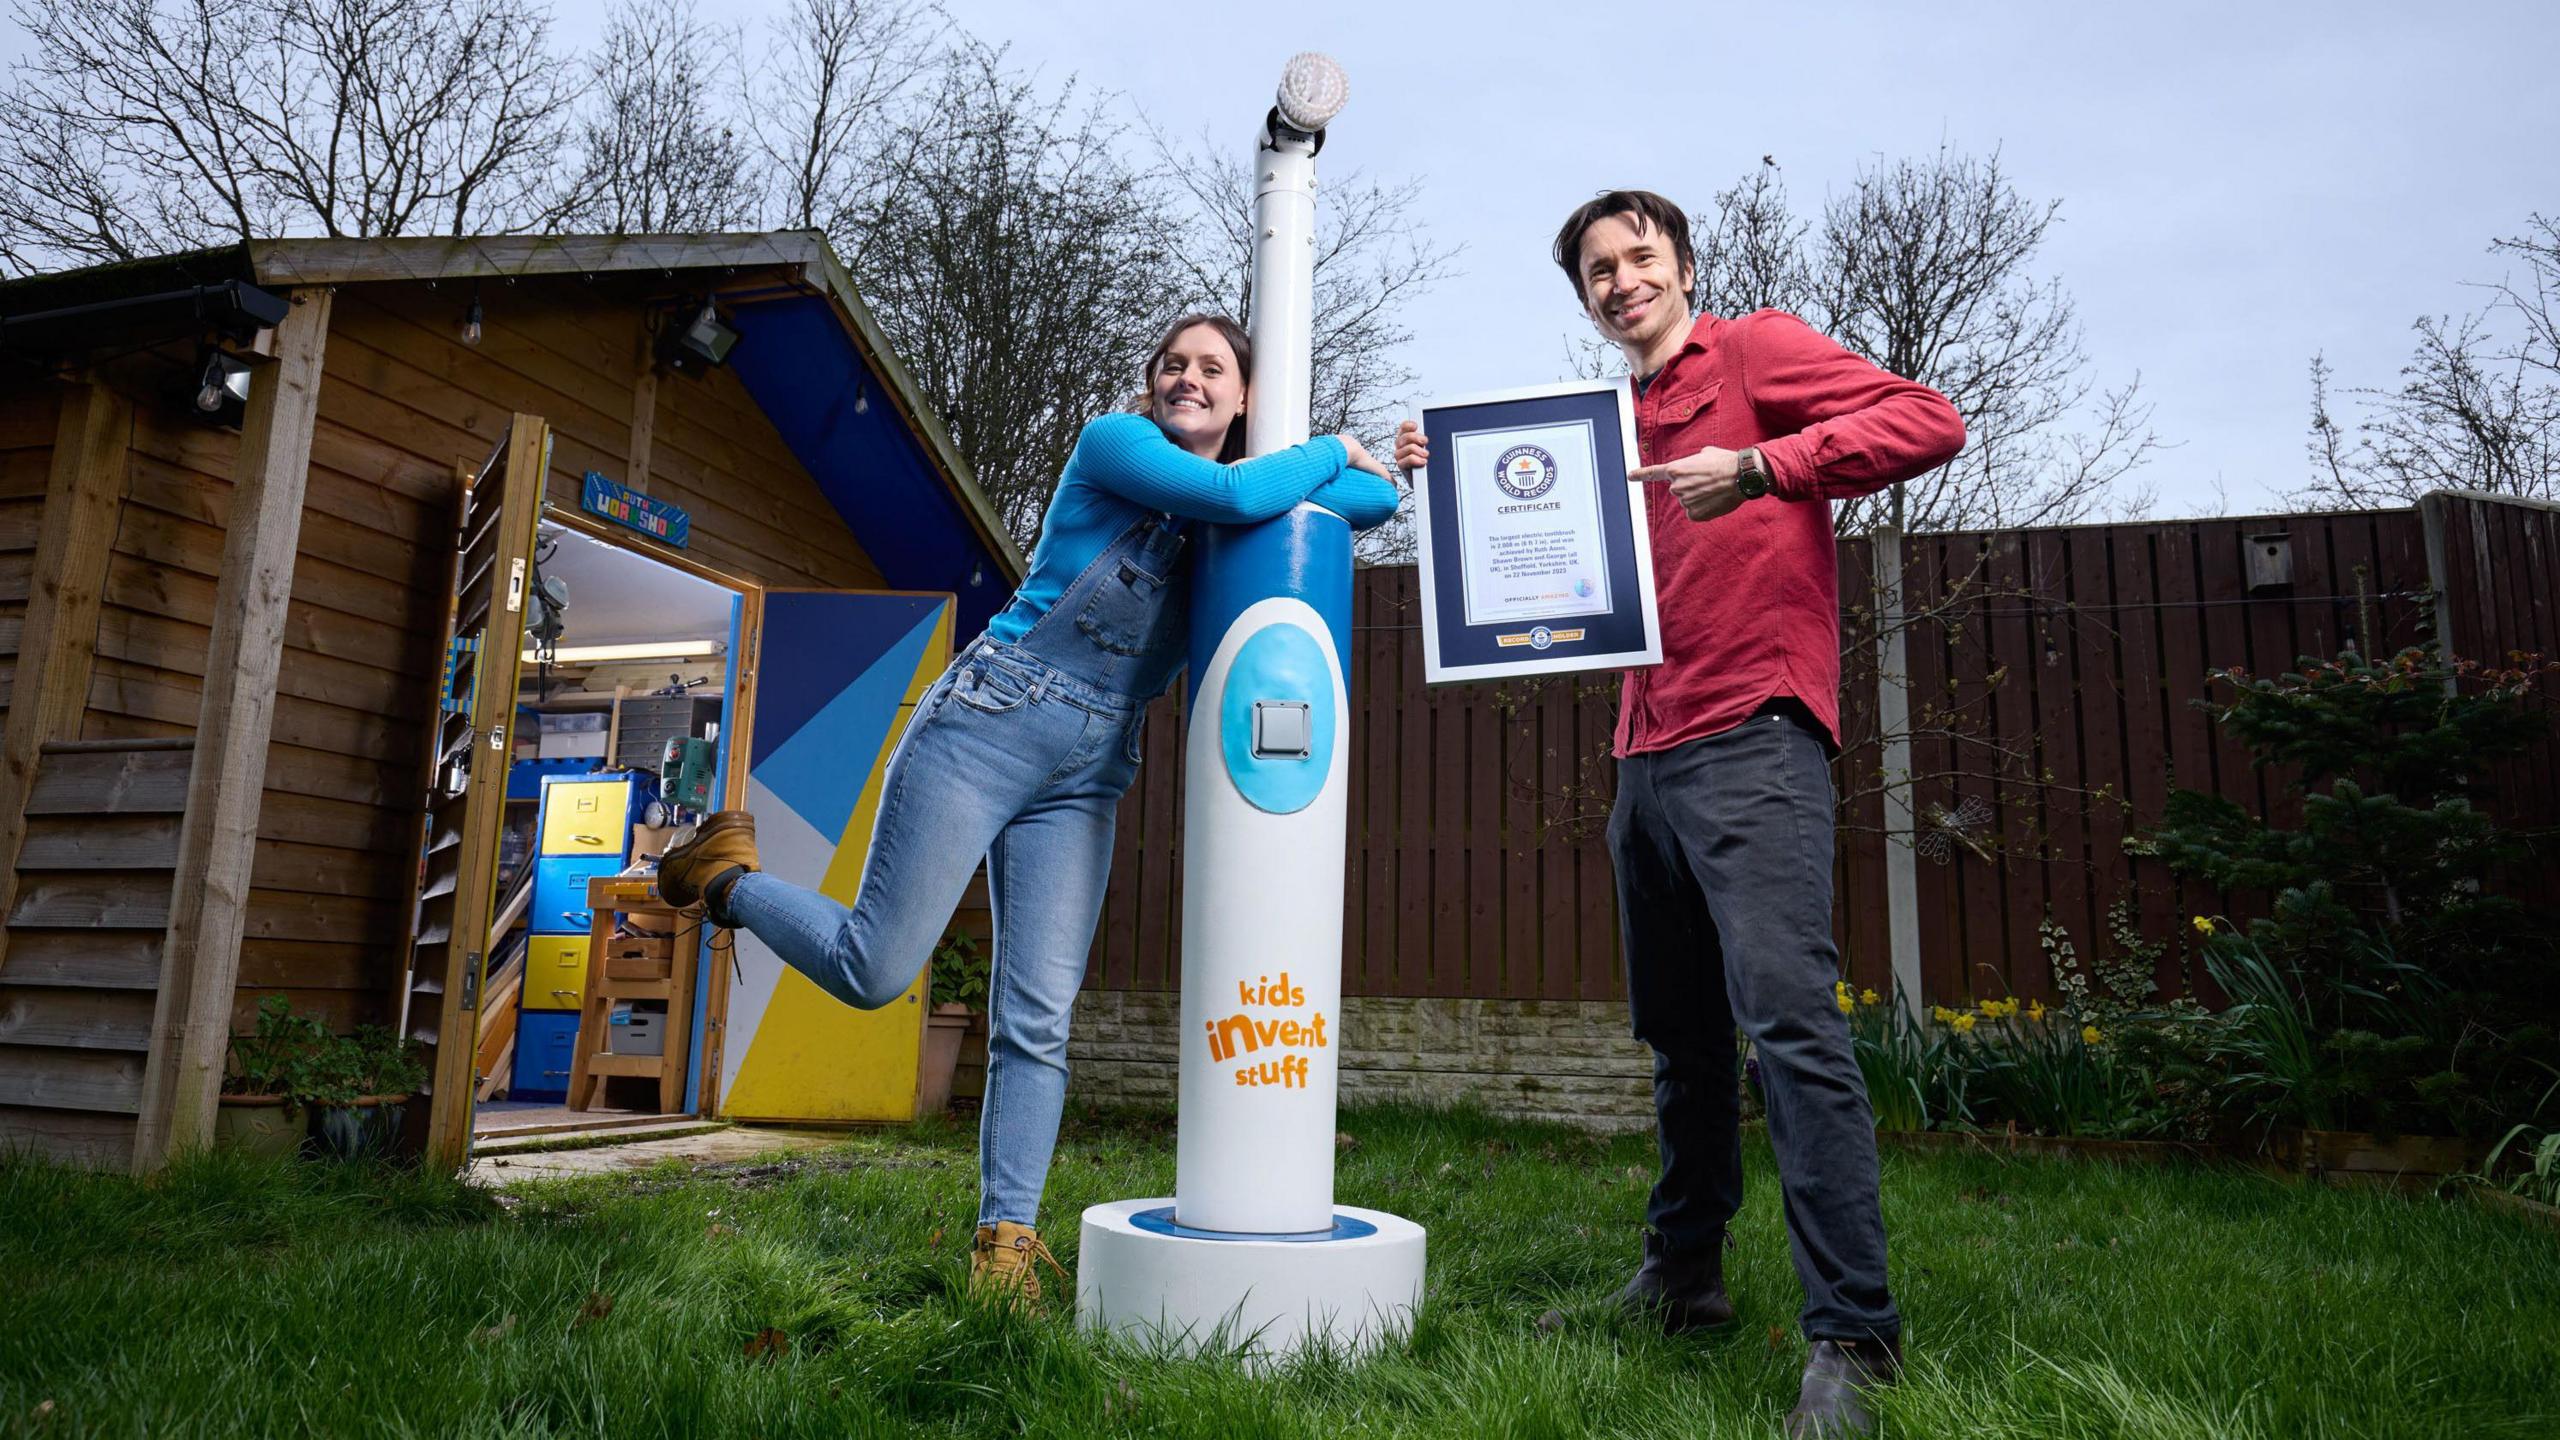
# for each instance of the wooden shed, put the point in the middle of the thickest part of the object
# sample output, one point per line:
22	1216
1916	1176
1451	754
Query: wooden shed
272	518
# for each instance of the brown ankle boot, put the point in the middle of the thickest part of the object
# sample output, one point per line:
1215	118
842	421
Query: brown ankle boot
1004	1260
725	841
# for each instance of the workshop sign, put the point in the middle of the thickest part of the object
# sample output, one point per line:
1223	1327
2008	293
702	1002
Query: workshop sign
626	507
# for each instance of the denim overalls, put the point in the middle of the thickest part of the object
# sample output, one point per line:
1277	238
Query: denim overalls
1017	755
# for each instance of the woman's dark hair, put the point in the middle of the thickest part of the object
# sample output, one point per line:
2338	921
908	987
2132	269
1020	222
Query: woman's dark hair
1647	210
1237	340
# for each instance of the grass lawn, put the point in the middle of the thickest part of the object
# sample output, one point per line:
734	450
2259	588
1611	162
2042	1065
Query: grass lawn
818	1296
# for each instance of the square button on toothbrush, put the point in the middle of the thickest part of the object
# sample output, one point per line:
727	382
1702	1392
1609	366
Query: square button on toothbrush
1281	730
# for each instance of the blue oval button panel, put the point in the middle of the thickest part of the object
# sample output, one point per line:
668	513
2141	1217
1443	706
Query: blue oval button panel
1280	665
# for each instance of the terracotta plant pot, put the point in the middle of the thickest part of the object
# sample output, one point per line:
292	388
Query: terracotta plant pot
944	1028
370	1127
259	1124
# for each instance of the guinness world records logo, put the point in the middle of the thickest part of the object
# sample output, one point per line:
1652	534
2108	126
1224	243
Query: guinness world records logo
1525	472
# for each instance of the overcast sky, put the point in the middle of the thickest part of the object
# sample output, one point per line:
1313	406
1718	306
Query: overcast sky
2242	184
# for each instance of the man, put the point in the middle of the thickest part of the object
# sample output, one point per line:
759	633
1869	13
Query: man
1722	834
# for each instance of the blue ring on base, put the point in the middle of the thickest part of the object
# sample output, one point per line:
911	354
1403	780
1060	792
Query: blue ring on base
1161	1222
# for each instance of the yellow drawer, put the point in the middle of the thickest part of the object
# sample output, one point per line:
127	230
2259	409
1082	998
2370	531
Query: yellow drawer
585	819
555	972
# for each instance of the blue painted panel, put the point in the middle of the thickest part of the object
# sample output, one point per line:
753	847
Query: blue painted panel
546	1046
560	892
820	772
797	360
832	637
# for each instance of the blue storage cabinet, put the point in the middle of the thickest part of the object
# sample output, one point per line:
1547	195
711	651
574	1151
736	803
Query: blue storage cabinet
525	777
583	831
546	1043
559	904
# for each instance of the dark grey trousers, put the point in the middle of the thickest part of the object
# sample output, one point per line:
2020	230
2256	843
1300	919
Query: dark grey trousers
1723	856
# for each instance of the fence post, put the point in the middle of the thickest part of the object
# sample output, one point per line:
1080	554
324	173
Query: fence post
1893	728
2431	520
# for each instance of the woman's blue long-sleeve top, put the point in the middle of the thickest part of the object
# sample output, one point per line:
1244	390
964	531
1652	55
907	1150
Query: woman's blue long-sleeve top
1125	466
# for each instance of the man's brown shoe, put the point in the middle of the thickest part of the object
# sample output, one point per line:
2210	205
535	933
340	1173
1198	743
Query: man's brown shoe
723	842
1004	1260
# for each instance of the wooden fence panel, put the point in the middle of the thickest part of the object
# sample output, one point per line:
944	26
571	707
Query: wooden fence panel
2504	604
2053	682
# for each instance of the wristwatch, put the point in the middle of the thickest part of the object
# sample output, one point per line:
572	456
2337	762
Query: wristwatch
1753	479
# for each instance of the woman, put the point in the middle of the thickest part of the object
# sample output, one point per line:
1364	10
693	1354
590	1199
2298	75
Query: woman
1020	752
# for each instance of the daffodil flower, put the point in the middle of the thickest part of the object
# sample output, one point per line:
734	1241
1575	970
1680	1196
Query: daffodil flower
2204	926
1962	1023
1869	997
2091	1034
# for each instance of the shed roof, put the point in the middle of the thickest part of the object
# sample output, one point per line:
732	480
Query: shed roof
810	354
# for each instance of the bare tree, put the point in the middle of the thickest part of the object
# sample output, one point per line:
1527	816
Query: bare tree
2477	406
1372	258
1021	273
823	107
658	157
1751	249
1923	267
142	126
1926	268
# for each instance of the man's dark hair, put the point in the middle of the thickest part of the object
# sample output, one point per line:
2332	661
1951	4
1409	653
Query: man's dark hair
1650	212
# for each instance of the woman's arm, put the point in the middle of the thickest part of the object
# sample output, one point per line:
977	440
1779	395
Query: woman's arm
1131	457
1367	501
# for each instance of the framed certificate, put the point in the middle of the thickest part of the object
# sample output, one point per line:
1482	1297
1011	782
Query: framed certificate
1535	555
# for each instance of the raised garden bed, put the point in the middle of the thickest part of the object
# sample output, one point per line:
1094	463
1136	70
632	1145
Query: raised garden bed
2131	1152
2354	1157
2518	1205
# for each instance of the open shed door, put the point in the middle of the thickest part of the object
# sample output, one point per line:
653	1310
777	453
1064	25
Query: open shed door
833	675
467	780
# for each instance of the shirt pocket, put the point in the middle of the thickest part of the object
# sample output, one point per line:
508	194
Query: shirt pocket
1681	408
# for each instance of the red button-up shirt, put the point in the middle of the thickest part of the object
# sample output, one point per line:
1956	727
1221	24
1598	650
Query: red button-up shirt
1750	600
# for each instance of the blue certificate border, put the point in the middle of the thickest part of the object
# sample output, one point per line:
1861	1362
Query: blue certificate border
1618	632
